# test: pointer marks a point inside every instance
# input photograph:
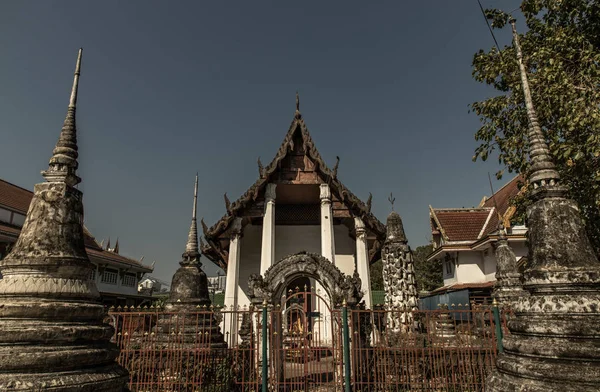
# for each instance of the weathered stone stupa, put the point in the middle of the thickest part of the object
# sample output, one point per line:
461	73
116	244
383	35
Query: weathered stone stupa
554	341
398	276
189	296
509	286
51	330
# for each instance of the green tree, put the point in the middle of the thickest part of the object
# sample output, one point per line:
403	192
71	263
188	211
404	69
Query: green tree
428	274
376	272
561	51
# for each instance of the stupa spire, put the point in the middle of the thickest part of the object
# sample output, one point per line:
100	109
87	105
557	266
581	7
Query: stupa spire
192	254
543	171
63	163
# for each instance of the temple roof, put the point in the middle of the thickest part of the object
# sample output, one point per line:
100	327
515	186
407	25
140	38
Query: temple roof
357	207
18	199
471	224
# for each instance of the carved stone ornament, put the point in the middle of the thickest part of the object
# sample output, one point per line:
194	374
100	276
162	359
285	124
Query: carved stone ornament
272	286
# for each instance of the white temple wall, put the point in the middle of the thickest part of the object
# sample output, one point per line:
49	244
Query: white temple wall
470	267
345	250
489	264
249	260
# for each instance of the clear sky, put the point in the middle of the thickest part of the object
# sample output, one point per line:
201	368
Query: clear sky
171	88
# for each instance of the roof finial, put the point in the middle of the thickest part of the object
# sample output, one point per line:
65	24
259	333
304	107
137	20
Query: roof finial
297	114
392	199
116	249
63	164
191	253
501	228
542	172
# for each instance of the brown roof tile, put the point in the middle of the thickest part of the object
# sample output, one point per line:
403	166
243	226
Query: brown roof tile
462	224
505	194
462	286
14	197
465	224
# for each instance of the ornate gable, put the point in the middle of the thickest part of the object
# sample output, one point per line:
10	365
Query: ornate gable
297	162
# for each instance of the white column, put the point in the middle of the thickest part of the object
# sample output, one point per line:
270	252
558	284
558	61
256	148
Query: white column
362	261
230	320
327	240
268	234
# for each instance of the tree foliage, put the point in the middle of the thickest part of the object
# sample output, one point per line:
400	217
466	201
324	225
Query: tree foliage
376	272
561	50
428	274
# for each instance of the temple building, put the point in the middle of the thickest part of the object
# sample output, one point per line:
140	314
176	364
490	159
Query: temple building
116	276
296	205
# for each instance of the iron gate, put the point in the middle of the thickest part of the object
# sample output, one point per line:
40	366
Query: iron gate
305	343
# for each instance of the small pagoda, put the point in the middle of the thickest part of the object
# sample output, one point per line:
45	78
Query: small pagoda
401	297
190	312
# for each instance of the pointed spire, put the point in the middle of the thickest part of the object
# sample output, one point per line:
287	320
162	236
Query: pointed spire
63	164
108	244
191	248
542	172
116	249
297	114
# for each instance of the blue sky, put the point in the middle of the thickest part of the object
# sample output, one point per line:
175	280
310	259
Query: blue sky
171	88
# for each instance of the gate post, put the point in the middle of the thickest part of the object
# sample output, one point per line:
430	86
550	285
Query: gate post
346	346
265	364
498	324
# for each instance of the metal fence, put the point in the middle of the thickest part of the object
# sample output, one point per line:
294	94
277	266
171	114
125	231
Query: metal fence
215	349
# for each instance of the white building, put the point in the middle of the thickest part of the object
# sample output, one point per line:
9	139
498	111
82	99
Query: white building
463	240
116	276
216	284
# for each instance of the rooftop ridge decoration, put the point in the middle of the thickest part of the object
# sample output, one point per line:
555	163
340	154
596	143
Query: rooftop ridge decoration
51	318
358	207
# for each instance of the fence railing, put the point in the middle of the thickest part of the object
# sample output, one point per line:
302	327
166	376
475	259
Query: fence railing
214	349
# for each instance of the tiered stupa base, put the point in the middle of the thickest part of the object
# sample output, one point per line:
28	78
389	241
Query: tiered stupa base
554	343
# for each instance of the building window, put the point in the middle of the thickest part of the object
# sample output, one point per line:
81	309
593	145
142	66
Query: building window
129	280
109	276
5	215
18	219
448	267
93	274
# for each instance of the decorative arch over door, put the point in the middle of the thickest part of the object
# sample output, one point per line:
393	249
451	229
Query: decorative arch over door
272	285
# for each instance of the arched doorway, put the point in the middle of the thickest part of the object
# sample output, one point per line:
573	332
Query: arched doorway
305	348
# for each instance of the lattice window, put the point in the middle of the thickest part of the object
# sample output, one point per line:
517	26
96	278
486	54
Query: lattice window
129	280
110	277
306	214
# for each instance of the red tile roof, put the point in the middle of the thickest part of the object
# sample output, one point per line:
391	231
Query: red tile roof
503	195
462	224
14	197
18	199
465	224
462	286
